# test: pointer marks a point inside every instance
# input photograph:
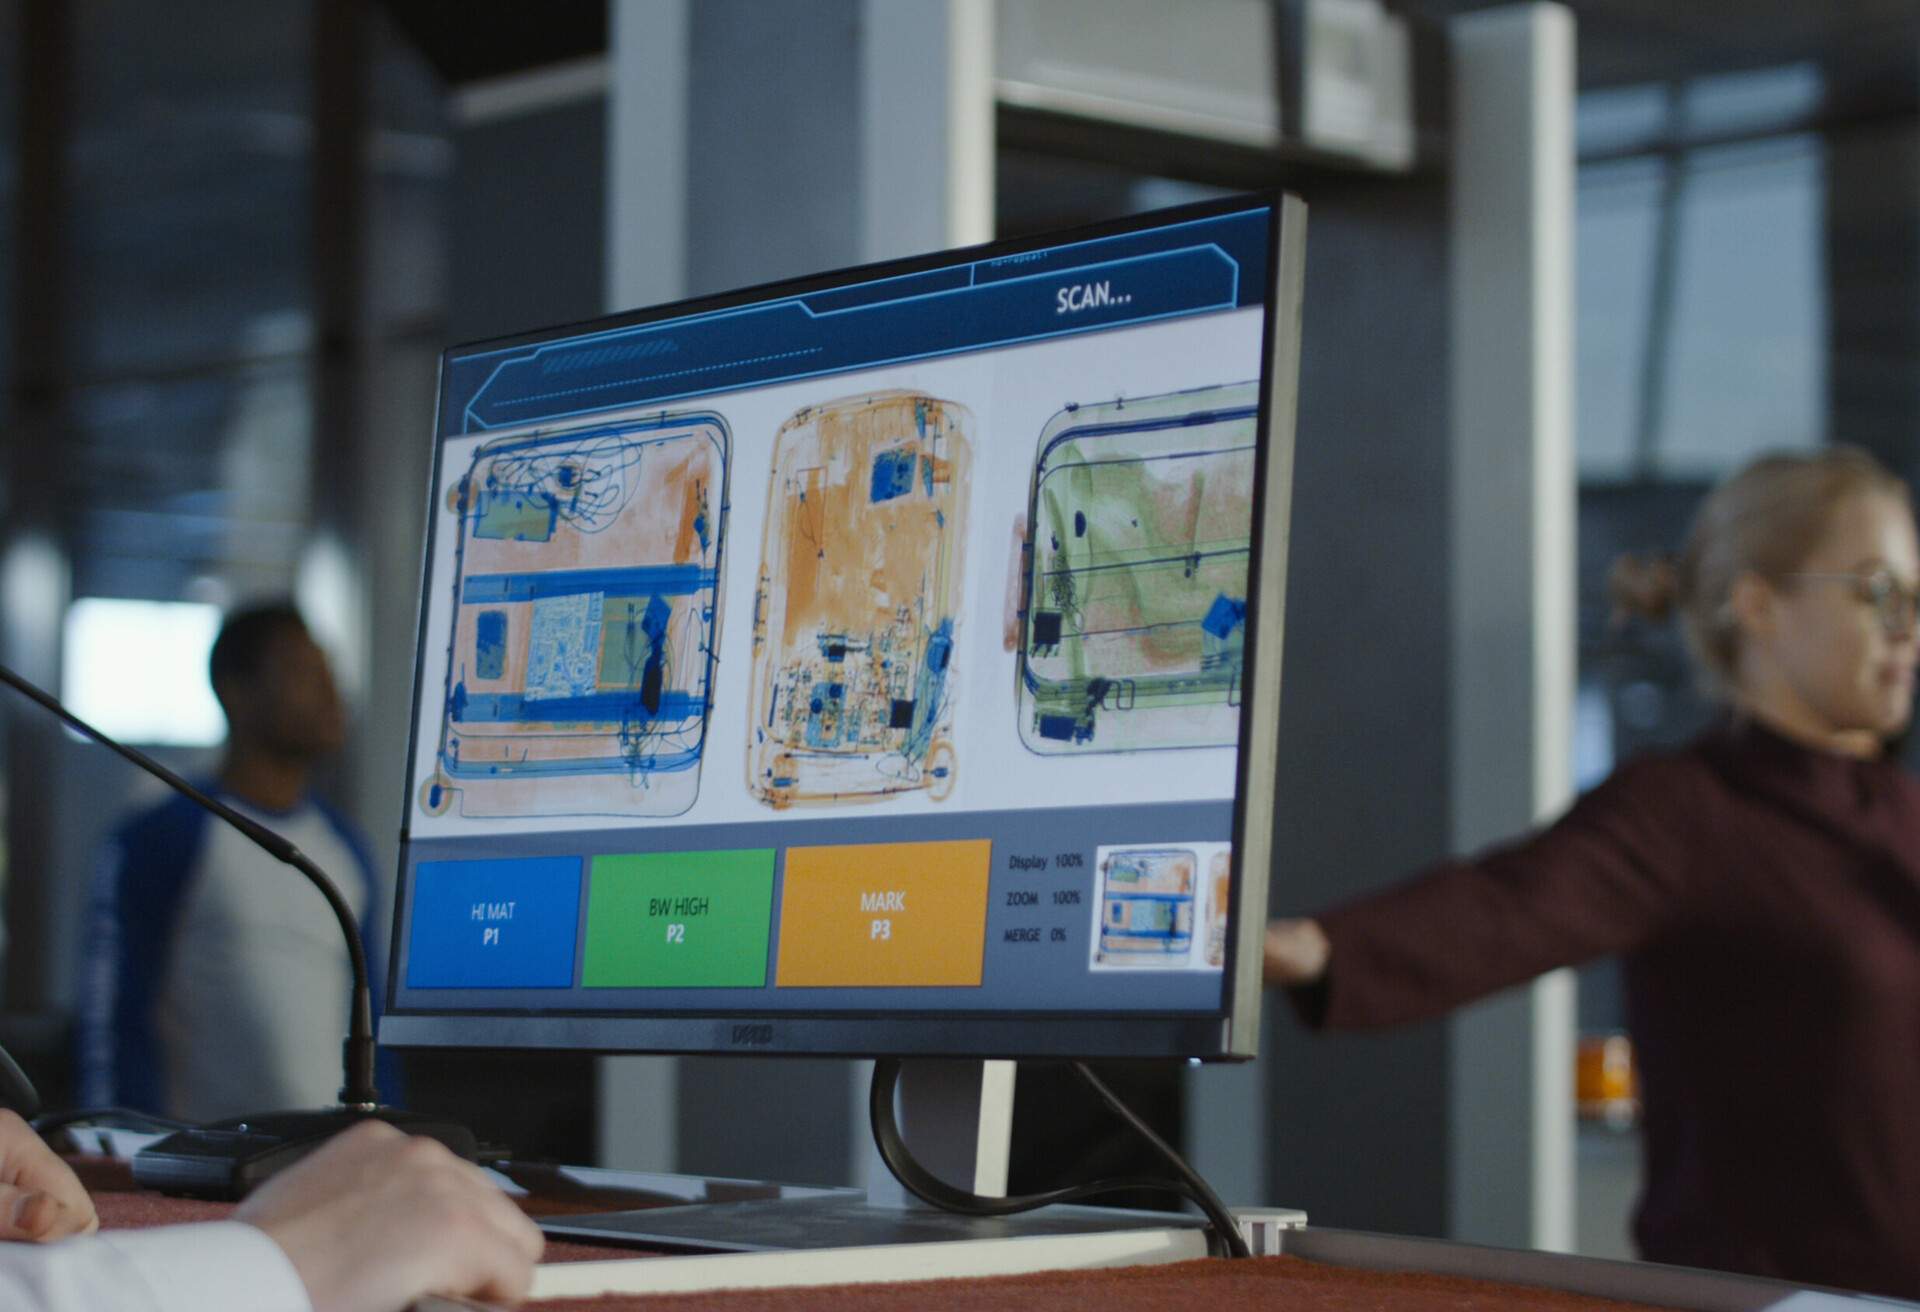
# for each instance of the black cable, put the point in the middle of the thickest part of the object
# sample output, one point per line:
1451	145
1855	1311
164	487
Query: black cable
1196	1186
930	1188
16	1090
110	1118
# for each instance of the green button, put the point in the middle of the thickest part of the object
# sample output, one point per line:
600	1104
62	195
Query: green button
660	920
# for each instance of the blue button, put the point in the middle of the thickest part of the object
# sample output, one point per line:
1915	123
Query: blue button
506	924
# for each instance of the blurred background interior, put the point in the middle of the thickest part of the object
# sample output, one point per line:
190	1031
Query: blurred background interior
236	234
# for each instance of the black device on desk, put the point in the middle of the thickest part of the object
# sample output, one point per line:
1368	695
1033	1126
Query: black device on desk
227	1159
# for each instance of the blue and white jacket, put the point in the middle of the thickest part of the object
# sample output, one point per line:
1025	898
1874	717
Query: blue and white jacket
213	981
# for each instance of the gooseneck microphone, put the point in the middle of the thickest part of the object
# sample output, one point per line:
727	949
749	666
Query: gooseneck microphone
228	1158
17	1093
358	1093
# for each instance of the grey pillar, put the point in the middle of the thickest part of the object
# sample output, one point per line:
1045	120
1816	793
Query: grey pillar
1511	1095
750	142
336	564
1873	274
1428	667
646	216
525	216
33	557
1357	1128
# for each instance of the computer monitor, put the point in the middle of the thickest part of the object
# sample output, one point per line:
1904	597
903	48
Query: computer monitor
885	662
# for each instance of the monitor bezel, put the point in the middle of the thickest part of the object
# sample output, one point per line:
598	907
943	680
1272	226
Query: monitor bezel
1228	1032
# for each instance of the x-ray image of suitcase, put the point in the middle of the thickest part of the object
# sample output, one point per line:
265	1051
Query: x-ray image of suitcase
586	613
1132	612
1146	906
1219	904
858	607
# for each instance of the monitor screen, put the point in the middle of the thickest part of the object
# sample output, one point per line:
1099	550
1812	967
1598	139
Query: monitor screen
885	662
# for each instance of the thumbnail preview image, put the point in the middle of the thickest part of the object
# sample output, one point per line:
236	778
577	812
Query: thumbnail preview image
858	603
1161	906
1128	613
585	620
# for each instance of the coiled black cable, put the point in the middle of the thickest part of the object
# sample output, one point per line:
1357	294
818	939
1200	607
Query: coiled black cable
930	1188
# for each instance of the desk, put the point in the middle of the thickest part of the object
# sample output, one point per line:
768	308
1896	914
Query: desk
1319	1271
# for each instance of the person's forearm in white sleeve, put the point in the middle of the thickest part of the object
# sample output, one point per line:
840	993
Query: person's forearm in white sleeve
218	1266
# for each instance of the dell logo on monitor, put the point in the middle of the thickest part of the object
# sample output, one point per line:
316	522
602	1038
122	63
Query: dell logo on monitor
752	1035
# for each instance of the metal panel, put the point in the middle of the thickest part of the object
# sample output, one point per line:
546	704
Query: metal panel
1511	1138
1634	1282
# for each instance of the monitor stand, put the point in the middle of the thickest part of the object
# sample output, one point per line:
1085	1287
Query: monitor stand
959	1118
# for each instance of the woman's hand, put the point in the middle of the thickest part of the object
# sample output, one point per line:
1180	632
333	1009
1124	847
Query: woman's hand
40	1198
1296	952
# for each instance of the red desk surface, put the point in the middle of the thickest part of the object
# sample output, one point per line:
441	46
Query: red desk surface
1204	1286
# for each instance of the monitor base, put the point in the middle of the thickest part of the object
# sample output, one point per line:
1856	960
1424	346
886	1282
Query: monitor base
796	1224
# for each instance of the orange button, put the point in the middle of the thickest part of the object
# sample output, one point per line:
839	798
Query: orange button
884	914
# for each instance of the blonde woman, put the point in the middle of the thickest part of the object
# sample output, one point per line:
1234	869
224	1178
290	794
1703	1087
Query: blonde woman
1762	884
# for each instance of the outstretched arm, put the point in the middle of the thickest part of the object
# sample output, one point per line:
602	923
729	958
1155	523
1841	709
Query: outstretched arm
1296	953
1619	868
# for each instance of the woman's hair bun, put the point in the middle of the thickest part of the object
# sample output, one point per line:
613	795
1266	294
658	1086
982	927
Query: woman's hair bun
1643	586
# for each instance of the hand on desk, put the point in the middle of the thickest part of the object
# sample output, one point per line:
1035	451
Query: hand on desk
376	1218
40	1198
370	1222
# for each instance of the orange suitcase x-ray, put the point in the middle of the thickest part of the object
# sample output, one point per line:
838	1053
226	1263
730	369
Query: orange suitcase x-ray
859	594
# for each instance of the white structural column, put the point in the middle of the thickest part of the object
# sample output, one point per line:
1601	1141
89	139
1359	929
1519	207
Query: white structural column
926	163
926	118
821	135
1510	1097
649	49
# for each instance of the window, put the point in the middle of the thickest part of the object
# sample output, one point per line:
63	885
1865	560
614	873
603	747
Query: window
137	670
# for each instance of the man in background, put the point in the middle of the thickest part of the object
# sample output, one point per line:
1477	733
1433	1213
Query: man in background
214	981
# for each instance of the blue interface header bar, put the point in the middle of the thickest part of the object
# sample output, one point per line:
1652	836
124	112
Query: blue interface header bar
1193	267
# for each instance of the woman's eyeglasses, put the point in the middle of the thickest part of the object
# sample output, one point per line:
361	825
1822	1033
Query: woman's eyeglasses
1895	604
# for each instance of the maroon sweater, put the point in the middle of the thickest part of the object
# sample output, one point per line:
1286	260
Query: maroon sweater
1767	900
